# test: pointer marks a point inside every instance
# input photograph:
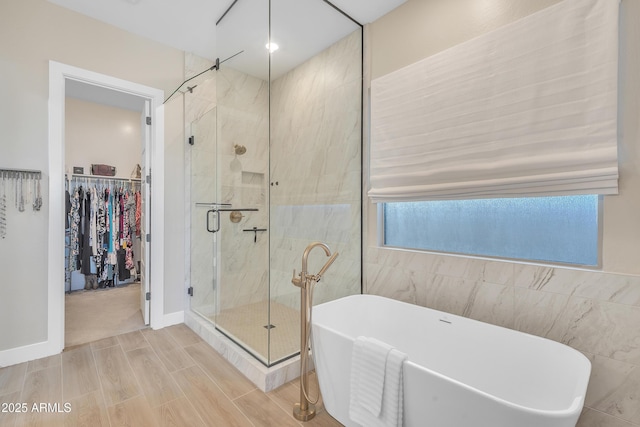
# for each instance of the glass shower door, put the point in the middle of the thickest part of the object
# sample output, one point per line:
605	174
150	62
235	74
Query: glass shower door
203	197
242	108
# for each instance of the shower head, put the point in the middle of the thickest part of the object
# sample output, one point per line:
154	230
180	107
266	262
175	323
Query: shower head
240	149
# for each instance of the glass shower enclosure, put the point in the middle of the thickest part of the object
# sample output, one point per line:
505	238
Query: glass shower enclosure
275	164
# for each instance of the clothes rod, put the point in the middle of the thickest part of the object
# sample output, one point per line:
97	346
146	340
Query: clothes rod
110	178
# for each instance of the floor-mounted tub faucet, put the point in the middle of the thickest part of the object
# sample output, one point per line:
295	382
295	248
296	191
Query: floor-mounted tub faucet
306	410
304	276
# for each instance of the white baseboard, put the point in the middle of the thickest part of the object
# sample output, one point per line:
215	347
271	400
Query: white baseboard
42	349
26	353
174	318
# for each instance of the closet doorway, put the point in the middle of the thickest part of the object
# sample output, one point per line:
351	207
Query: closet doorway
113	295
104	148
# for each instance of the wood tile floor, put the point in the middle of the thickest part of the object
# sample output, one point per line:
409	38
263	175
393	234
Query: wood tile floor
167	377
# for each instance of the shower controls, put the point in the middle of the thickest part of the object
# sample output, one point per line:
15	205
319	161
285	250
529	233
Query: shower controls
255	231
235	217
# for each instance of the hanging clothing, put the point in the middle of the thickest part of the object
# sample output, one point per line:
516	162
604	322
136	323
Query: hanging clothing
138	212
123	271
101	231
129	208
113	231
85	266
103	223
67	206
93	225
74	219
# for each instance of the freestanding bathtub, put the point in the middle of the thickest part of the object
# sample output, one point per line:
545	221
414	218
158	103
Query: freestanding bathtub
459	373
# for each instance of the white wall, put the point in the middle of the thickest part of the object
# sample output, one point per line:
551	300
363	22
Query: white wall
100	134
175	292
34	32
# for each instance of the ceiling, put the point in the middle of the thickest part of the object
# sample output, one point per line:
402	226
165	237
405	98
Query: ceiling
103	95
190	25
302	28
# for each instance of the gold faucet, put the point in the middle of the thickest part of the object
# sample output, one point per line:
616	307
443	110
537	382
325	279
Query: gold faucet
304	276
306	410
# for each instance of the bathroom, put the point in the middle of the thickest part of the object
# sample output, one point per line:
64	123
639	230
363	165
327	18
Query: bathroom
600	307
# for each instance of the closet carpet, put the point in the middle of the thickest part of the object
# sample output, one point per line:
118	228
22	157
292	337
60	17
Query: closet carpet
101	313
149	378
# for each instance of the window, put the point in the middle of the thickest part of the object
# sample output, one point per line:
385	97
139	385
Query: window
561	229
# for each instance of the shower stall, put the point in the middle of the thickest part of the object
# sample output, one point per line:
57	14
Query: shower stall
274	163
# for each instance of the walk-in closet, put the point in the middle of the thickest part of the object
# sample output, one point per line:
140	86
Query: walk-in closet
104	144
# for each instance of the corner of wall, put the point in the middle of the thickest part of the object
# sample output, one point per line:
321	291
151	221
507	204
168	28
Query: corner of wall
171	319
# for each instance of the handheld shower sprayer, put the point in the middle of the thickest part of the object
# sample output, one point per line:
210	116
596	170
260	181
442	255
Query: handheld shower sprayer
325	267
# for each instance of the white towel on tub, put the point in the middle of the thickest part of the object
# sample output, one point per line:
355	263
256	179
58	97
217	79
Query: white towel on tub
376	384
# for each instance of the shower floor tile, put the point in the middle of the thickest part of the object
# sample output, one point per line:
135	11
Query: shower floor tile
249	326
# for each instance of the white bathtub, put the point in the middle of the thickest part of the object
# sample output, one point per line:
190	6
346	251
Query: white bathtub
459	373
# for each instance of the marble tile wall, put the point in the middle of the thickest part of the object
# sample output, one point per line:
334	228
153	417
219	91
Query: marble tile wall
315	160
243	118
593	312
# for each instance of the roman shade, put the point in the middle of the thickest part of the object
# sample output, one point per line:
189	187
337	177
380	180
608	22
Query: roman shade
528	109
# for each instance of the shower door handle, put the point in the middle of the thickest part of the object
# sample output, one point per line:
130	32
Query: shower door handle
217	214
217	211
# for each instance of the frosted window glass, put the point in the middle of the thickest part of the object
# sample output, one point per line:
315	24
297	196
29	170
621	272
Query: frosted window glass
556	229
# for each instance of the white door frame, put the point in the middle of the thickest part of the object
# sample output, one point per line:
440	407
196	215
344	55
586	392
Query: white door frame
58	74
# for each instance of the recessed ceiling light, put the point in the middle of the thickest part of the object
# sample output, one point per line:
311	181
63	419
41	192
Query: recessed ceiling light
272	47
